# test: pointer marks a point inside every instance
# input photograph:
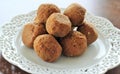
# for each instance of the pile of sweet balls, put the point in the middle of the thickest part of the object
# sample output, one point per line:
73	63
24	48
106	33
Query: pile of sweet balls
52	33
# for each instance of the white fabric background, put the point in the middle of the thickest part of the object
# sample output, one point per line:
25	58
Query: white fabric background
11	8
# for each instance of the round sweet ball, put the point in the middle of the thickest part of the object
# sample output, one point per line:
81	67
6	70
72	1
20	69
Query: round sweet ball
44	11
74	44
76	14
58	25
30	32
47	48
89	31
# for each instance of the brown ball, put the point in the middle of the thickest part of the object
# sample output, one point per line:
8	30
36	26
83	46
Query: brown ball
76	14
74	44
89	31
58	25
44	11
30	32
47	47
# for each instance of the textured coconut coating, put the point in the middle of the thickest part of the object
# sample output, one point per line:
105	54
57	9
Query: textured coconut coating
44	11
47	48
89	31
74	44
58	25
30	32
76	14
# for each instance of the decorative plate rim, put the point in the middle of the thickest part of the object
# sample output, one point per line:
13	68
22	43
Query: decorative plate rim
112	59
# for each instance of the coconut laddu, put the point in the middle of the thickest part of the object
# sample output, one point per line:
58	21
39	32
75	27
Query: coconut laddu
47	48
30	32
76	14
74	44
58	25
89	31
44	11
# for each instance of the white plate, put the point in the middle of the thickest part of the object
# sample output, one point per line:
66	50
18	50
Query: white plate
100	56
